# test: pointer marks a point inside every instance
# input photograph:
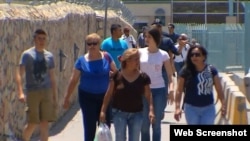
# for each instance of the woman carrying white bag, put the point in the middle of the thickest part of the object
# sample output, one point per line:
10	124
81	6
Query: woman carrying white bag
103	133
127	88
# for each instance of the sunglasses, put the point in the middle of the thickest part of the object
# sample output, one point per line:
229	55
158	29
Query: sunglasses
94	44
195	54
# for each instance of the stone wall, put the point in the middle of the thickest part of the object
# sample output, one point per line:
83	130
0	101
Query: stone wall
67	25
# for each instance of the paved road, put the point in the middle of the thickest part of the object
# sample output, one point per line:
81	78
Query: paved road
69	128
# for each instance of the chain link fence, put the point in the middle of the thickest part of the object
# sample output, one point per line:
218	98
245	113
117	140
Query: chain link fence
115	5
224	42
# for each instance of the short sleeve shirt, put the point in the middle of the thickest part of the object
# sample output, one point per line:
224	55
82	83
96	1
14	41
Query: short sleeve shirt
152	63
127	95
199	88
37	65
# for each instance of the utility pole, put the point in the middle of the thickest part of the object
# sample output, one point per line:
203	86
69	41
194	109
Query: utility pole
105	19
247	36
205	12
238	15
172	11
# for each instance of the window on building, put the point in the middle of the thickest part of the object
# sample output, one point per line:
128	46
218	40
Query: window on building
160	15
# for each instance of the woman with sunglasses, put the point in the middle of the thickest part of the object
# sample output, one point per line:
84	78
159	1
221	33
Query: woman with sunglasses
91	69
197	79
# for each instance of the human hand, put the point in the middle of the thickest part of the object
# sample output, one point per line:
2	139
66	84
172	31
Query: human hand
177	114
182	43
102	117
170	99
22	97
223	110
66	103
151	117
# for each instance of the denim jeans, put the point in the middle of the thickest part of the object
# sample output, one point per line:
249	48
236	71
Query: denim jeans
199	115
178	66
159	101
123	119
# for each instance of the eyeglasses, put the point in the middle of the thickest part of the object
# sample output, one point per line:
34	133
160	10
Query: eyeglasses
195	54
94	44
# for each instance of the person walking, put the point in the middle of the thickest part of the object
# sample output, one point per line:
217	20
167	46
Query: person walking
171	33
197	79
126	88
40	95
152	59
141	38
180	59
129	38
114	44
91	68
167	45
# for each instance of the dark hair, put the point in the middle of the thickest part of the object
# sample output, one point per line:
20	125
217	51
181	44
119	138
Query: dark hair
171	25
39	32
144	28
155	33
114	27
189	66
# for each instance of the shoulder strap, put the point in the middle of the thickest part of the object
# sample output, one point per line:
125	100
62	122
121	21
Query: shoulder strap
106	56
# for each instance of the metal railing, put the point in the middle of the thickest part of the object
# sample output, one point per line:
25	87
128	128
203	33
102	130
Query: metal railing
115	5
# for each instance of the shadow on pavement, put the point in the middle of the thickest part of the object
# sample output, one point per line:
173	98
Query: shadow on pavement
64	120
61	123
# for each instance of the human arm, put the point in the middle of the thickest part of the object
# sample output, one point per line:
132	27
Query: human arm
148	96
133	41
72	84
168	67
106	100
171	55
53	85
113	66
178	97
220	94
19	79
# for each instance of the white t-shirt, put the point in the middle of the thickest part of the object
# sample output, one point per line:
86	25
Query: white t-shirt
182	57
130	40
151	63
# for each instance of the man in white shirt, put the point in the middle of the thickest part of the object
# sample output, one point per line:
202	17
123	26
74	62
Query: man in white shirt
128	38
180	59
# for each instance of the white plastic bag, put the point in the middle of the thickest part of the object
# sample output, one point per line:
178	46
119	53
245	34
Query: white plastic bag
103	133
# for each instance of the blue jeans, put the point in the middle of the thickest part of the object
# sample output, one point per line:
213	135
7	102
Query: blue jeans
178	66
159	101
199	115
123	119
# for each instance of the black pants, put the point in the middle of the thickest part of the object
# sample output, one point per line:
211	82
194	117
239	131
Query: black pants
91	106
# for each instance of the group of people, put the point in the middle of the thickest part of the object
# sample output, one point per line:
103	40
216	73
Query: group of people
135	83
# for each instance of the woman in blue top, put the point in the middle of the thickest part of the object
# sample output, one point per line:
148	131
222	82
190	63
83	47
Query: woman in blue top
93	69
197	79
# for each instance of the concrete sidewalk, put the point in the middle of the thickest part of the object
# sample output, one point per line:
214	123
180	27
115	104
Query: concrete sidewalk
70	127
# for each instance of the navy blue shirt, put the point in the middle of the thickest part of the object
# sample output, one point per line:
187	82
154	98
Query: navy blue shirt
174	37
199	88
168	45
